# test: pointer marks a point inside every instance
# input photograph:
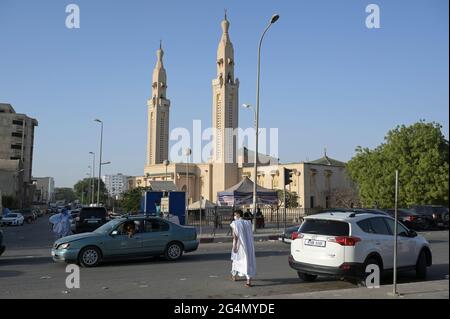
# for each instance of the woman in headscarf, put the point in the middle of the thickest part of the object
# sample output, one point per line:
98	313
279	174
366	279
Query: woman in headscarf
243	252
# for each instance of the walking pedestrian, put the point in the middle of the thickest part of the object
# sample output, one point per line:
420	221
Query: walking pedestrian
61	223
243	251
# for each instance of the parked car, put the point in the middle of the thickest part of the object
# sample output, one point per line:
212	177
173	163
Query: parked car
411	219
154	237
286	237
439	214
2	246
28	214
344	244
38	212
89	219
13	219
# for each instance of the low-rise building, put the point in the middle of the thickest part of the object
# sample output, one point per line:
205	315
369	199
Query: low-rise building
115	184
45	190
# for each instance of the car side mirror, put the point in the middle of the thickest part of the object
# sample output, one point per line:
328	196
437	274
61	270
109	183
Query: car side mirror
114	233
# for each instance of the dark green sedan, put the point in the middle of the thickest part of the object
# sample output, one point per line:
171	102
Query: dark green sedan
126	238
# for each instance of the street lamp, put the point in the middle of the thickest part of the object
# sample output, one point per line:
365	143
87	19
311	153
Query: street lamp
82	187
187	153
100	161
274	18
93	176
166	163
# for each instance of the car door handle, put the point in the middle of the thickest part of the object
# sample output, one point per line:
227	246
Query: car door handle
378	244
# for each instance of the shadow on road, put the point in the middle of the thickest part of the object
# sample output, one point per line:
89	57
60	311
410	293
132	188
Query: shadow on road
188	258
291	281
10	273
25	261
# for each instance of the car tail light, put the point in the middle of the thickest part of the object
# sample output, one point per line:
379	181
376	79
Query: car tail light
345	267
346	240
412	218
296	235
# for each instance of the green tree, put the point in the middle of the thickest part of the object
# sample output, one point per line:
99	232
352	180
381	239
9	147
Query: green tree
291	199
65	193
131	199
83	190
10	202
421	154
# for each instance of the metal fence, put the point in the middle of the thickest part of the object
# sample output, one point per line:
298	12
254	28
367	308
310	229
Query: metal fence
220	218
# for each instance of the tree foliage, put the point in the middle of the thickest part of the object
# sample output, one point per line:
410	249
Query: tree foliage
10	202
344	198
131	199
83	190
421	154
65	193
291	199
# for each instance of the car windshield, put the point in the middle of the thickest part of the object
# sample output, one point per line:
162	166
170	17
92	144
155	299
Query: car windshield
108	227
324	227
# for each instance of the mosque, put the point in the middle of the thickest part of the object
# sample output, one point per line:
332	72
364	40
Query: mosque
314	182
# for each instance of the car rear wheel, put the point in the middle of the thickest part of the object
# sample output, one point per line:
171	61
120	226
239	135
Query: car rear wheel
306	277
421	266
89	256
173	251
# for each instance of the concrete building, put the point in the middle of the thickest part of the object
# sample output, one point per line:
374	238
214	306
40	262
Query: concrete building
11	178
316	183
16	144
45	190
116	184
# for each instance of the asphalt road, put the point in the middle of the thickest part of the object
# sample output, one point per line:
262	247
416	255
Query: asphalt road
27	271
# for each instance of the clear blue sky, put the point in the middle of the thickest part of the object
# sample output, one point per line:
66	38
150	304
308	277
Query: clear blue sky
327	80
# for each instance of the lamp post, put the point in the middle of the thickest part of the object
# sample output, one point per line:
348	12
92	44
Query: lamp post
101	164
187	153
82	188
100	161
93	177
166	163
274	19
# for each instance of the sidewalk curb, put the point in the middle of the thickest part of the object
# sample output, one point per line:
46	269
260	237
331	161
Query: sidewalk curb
435	289
228	239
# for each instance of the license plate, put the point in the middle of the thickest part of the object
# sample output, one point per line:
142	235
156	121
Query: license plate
93	221
315	243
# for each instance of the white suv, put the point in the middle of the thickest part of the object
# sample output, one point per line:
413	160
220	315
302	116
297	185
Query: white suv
344	244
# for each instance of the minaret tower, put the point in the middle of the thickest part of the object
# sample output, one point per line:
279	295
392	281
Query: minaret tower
225	112
158	115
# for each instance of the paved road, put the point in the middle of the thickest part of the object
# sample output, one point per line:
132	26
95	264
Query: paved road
27	271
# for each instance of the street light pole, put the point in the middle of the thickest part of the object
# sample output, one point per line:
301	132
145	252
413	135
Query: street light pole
166	163
394	286
100	161
274	18
93	177
188	153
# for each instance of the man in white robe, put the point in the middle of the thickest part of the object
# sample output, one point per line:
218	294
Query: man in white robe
243	252
61	224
